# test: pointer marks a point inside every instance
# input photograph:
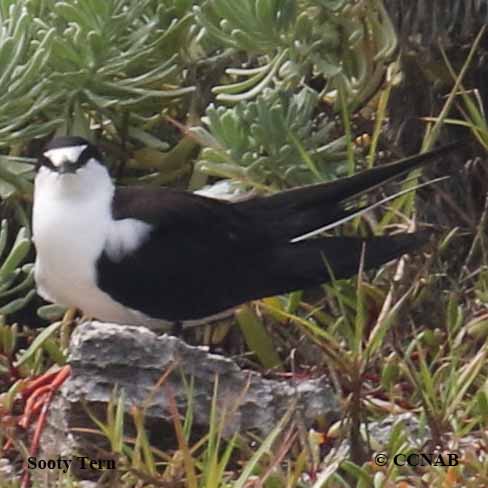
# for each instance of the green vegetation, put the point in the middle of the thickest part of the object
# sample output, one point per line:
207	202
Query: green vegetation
271	94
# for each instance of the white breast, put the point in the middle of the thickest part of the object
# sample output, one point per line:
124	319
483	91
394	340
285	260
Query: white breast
69	240
72	225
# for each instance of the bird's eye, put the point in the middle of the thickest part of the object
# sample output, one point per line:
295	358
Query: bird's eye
89	153
44	161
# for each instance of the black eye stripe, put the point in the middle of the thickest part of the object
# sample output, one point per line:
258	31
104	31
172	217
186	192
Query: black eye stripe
88	153
44	161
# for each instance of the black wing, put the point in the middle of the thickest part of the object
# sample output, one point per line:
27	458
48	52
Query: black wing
205	256
194	261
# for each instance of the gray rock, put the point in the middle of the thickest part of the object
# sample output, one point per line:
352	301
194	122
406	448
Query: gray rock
7	472
416	434
134	359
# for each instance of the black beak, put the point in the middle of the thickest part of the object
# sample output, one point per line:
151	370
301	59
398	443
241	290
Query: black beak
66	167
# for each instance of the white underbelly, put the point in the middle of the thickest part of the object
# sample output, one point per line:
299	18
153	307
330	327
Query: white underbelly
64	278
79	291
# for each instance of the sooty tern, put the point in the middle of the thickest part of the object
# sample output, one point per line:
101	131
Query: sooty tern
158	256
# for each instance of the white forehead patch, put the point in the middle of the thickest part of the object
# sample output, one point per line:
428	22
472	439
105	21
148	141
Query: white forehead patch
62	154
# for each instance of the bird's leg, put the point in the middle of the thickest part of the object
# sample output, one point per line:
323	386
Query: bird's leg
86	318
67	326
177	329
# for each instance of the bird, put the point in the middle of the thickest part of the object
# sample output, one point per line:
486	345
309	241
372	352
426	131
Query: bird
163	257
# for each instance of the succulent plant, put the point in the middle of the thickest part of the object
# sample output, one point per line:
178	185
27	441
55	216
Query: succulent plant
97	57
288	41
273	140
16	276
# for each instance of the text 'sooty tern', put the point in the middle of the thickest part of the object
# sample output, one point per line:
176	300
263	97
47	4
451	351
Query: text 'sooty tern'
149	256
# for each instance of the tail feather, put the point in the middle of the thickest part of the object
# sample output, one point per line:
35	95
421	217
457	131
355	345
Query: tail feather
298	211
316	261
